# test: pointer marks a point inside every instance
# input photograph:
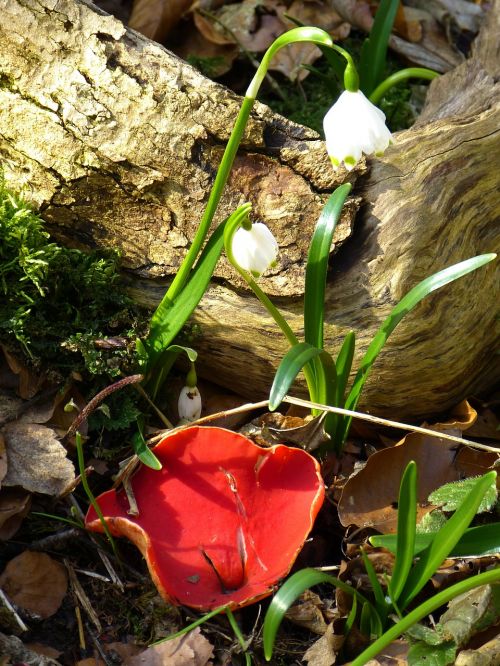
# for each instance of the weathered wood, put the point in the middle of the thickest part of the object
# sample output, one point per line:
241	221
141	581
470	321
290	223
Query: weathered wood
118	141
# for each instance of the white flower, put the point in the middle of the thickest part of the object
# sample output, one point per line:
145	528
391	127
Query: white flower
254	250
189	405
354	126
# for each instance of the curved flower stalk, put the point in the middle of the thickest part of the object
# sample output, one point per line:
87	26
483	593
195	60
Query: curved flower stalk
163	329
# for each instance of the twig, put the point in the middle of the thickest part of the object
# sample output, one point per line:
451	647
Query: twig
335	410
96	400
80	595
12	612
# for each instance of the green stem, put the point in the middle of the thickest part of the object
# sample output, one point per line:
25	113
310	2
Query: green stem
423	610
213	200
90	495
239	635
399	77
232	227
192	626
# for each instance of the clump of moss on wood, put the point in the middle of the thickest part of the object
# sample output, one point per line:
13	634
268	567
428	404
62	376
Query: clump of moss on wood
60	306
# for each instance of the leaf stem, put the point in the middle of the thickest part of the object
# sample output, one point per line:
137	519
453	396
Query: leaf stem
399	77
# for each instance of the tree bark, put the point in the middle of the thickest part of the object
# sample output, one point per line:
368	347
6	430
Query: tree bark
118	141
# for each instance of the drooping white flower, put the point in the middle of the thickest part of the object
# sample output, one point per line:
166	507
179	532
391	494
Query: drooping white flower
189	404
254	250
354	126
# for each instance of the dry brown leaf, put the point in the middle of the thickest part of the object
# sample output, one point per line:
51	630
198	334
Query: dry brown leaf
369	498
90	661
29	383
192	649
395	654
307	613
193	44
487	426
156	18
407	24
14	506
245	24
44	650
123	650
289	61
37	460
324	651
35	582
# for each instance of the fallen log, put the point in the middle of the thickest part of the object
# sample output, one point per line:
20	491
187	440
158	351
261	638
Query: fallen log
117	141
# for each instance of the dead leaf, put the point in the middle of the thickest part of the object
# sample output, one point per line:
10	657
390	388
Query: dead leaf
37	460
195	45
156	18
487	426
44	650
14	506
324	651
29	383
35	582
369	498
192	649
290	61
307	613
469	612
395	654
407	24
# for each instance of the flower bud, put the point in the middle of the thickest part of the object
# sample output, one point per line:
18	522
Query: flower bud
189	404
254	250
354	126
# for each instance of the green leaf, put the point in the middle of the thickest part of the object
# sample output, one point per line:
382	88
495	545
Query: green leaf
374	50
142	451
407	521
427	607
422	654
343	365
476	541
292	363
317	266
405	305
190	353
169	318
289	592
451	495
378	592
445	540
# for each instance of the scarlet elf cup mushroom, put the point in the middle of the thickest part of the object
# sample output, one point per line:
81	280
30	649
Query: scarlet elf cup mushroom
223	520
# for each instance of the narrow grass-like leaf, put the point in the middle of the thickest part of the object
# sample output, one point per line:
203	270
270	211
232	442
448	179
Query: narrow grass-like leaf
291	364
378	592
289	592
374	49
343	366
429	606
444	541
317	266
169	317
476	541
407	525
405	305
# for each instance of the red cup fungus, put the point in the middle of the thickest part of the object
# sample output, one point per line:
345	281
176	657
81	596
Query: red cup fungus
224	519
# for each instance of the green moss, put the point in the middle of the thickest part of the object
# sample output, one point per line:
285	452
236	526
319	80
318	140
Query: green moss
57	302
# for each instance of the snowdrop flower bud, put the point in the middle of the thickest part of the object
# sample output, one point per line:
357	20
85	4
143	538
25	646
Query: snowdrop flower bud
189	405
255	249
354	126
